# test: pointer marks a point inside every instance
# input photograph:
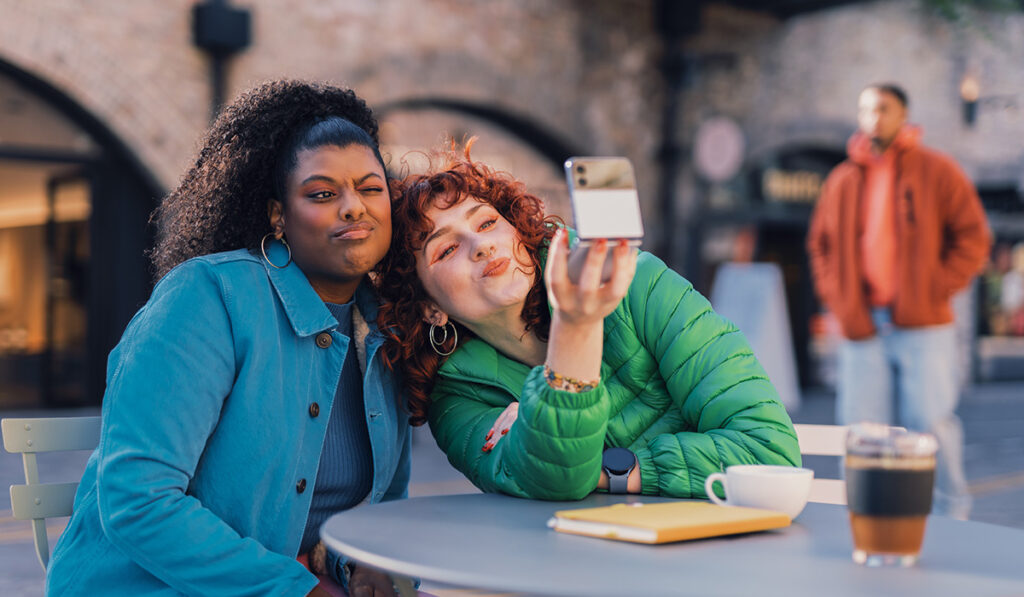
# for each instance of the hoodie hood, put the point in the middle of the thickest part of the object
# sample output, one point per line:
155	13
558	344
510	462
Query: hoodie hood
859	145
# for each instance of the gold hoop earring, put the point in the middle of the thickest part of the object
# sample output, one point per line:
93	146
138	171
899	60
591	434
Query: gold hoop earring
438	345
263	248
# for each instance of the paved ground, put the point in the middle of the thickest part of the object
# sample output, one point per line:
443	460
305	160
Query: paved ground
993	416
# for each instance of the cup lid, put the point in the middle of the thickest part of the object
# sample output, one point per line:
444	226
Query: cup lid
879	440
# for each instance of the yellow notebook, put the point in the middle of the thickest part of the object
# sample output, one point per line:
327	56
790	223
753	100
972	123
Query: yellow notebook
665	522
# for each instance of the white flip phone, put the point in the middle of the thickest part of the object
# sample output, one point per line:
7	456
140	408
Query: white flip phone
605	204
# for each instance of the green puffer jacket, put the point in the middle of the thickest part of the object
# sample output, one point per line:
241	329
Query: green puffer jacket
680	387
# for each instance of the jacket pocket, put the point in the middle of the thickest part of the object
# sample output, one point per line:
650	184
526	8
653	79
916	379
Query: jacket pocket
940	289
81	547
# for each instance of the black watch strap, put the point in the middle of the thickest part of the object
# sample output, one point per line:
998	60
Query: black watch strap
617	464
618	483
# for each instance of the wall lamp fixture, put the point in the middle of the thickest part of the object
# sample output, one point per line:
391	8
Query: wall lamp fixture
970	95
221	30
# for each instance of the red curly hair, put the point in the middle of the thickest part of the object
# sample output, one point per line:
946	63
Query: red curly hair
404	301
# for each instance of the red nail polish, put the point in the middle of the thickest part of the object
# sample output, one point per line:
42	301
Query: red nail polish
504	431
623	243
601	244
490	434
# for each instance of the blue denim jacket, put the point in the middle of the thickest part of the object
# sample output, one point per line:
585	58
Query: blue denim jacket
209	451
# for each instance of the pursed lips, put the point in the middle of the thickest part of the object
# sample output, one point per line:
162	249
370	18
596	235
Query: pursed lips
356	231
496	267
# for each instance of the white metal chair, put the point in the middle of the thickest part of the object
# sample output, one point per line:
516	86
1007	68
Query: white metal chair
824	440
37	501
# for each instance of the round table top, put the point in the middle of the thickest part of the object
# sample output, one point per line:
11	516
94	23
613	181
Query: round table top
501	543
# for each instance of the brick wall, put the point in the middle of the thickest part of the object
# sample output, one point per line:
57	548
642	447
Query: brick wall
799	80
582	70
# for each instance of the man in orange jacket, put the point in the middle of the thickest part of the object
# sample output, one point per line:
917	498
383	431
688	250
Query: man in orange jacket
898	230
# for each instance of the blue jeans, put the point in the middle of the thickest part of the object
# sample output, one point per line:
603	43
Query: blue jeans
906	377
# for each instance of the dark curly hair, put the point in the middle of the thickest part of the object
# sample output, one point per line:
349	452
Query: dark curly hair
407	344
221	203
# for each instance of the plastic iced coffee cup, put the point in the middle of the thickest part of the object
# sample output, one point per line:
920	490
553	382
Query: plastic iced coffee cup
890	473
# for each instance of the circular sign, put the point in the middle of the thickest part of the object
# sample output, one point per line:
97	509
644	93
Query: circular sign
718	149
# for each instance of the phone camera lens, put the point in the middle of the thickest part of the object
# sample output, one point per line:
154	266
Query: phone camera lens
582	182
581	169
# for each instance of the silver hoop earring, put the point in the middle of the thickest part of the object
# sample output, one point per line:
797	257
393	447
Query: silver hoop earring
438	345
263	248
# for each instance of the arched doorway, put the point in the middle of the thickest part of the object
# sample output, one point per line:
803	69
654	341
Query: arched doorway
510	142
74	207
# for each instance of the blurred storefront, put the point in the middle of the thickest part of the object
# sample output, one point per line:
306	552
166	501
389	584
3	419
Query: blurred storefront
73	231
1000	350
763	215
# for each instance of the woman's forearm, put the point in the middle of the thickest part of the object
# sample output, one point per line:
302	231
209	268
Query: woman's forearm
574	350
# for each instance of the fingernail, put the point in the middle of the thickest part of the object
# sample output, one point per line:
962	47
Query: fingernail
623	243
504	431
490	434
601	244
487	447
565	239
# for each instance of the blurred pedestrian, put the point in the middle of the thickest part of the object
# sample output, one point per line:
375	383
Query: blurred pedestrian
898	229
236	408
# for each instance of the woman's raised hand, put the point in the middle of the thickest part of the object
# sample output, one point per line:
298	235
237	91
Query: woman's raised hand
577	322
588	300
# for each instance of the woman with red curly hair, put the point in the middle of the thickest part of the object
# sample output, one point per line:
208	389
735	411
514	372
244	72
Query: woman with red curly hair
542	388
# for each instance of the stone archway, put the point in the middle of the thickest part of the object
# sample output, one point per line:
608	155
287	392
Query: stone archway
73	226
508	141
135	84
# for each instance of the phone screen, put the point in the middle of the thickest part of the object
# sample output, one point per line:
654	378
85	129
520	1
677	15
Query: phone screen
604	198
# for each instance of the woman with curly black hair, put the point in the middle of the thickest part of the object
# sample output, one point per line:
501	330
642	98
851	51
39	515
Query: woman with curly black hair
246	401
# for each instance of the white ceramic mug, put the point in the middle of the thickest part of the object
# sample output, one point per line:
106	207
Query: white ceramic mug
781	488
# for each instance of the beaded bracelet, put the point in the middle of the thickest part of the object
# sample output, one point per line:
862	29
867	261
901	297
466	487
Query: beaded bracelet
567	384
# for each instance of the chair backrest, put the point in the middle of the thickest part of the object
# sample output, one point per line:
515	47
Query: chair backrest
824	440
37	501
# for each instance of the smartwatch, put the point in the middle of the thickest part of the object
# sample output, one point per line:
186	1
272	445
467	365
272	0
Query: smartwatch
617	463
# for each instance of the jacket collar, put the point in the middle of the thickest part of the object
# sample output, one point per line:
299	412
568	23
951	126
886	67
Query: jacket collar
479	362
859	149
305	309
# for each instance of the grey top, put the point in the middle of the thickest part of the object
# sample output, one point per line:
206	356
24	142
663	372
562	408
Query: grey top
501	543
345	474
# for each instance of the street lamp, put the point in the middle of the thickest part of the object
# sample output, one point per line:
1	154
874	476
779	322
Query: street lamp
973	101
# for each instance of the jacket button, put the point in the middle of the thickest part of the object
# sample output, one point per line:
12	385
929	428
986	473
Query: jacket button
300	486
323	340
314	410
